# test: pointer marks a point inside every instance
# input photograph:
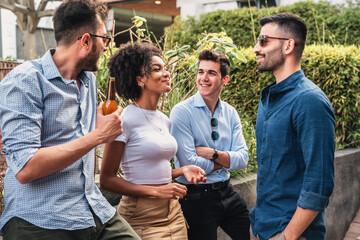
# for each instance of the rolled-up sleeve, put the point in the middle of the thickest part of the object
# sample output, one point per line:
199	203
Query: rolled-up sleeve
314	122
238	152
181	130
20	117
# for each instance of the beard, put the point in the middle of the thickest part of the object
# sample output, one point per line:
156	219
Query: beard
90	62
272	60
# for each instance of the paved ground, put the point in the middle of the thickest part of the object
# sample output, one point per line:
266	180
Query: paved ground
354	231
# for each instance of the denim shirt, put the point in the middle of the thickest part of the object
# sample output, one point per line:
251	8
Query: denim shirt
295	136
191	127
39	108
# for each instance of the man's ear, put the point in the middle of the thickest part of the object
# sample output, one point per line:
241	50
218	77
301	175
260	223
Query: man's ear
85	41
290	46
225	80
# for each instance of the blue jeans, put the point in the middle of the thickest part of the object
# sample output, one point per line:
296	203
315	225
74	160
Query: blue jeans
205	209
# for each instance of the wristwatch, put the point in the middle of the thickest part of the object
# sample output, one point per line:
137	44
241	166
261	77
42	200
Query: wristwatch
215	155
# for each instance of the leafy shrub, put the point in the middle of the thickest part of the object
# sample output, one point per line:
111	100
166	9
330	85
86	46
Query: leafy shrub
335	69
326	24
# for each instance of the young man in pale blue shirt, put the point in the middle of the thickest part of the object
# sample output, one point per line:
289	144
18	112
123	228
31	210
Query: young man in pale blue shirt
209	135
51	124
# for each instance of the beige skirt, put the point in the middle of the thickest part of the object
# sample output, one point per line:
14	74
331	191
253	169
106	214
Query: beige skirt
154	218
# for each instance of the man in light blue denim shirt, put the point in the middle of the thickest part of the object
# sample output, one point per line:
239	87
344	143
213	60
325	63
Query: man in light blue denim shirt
50	125
295	139
209	135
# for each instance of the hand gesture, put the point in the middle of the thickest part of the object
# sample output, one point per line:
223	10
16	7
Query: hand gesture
110	126
194	174
171	191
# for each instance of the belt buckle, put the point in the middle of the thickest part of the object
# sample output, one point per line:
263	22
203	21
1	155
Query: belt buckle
216	186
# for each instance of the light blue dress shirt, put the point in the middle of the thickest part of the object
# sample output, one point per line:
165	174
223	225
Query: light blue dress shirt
191	127
39	108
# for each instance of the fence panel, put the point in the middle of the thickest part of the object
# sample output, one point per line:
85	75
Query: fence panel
6	67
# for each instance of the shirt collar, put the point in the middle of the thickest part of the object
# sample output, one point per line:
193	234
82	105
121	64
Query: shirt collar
199	101
285	85
52	72
48	63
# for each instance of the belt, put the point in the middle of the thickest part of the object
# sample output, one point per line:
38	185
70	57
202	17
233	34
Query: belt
207	187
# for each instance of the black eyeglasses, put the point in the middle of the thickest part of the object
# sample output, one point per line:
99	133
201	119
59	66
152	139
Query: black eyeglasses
106	39
262	39
214	134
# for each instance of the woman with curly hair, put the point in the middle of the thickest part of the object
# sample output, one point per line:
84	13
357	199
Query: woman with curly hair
144	149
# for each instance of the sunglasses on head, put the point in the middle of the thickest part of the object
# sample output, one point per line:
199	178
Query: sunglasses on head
262	39
106	39
214	134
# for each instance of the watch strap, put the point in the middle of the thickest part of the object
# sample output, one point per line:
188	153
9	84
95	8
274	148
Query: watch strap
215	155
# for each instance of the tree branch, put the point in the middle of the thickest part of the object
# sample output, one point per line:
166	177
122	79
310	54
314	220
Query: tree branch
14	7
42	5
30	4
45	13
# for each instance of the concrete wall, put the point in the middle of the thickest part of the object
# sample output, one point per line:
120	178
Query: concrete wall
345	200
343	204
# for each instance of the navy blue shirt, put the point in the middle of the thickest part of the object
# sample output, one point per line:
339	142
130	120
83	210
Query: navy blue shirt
295	136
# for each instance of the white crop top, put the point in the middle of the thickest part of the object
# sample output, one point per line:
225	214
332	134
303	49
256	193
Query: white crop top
147	152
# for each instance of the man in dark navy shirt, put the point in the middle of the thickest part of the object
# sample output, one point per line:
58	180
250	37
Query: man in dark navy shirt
295	133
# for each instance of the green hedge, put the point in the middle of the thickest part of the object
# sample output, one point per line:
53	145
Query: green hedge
335	69
327	24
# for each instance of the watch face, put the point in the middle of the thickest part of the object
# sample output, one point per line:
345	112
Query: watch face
215	156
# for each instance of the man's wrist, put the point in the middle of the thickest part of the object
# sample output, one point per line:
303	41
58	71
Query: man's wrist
287	235
96	137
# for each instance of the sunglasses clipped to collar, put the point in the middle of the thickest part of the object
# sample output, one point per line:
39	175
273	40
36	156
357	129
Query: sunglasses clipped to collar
214	134
106	39
263	39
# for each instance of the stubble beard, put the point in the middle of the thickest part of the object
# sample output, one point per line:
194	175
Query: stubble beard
272	60
90	62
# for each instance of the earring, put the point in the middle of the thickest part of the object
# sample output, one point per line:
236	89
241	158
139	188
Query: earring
142	85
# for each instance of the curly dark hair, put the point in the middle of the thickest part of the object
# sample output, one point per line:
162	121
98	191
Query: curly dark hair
209	55
131	60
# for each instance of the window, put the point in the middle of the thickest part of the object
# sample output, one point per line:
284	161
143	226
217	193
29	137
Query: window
257	3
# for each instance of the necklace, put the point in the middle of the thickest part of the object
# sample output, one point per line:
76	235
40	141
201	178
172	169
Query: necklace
159	129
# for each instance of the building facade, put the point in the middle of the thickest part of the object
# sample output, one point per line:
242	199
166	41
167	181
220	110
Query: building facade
158	15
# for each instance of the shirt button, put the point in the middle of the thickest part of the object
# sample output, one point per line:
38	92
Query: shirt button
263	139
267	118
262	162
260	183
